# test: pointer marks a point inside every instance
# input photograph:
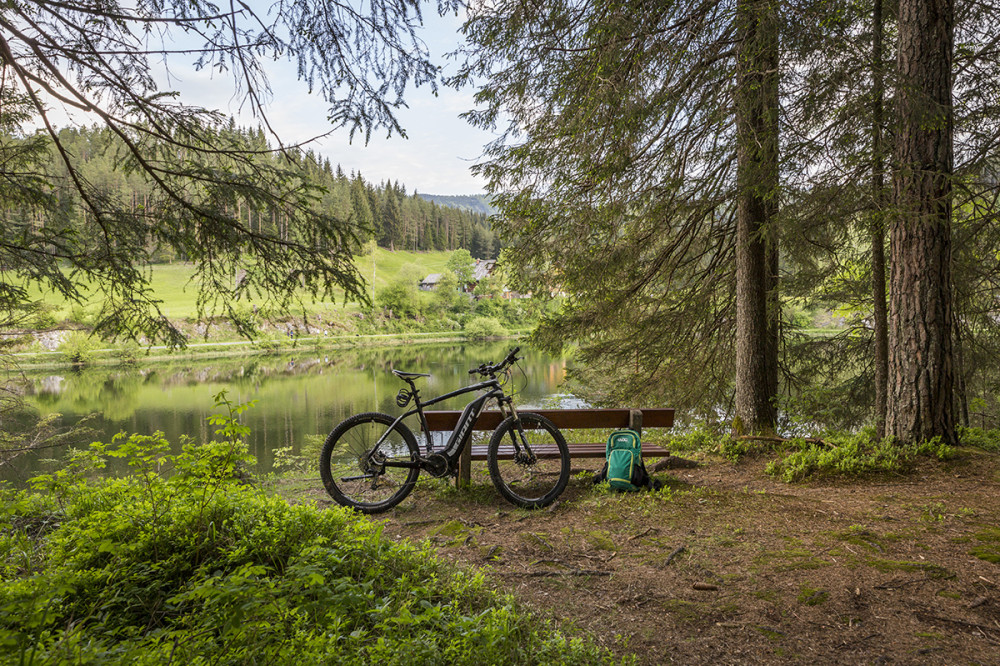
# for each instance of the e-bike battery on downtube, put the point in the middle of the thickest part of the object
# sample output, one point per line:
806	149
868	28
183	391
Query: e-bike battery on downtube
469	416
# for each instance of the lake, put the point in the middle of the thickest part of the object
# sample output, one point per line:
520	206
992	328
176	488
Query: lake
299	398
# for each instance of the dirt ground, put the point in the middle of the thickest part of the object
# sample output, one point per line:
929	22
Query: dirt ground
727	566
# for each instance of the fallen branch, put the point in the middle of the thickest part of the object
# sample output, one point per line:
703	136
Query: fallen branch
676	551
571	572
541	540
781	440
644	533
927	617
896	584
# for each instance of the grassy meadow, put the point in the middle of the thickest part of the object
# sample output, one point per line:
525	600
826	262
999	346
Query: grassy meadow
176	286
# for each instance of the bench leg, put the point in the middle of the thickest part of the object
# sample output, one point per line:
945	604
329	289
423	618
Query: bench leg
464	478
635	421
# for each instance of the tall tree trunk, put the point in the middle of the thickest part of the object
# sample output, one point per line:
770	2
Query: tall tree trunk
756	107
921	373
879	311
960	392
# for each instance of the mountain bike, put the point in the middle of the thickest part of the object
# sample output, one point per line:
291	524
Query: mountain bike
371	461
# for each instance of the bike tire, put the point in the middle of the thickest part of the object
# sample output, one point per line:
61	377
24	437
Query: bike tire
353	483
533	484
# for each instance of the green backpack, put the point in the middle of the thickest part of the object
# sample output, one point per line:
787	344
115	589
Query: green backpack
623	466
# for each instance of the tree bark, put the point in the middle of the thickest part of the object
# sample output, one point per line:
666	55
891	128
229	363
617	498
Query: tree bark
880	315
921	374
756	107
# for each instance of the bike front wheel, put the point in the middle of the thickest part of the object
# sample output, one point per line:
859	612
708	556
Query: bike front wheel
358	474
528	480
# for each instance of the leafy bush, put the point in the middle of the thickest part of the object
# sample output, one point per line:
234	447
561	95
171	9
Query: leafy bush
987	440
401	298
852	455
183	561
129	352
480	328
447	298
492	307
80	315
698	438
270	343
78	348
245	319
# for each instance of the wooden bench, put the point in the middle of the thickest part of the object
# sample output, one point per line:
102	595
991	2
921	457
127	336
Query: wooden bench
564	419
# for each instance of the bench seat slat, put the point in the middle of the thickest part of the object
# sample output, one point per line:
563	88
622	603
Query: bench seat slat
576	450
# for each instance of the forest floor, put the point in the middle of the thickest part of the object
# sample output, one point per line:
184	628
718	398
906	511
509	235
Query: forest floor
728	566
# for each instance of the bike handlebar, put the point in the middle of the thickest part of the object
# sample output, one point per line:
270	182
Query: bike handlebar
487	369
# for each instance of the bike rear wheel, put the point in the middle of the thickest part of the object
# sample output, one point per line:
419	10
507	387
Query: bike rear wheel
360	476
528	481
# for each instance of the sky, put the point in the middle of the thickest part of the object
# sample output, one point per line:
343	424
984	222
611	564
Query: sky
434	159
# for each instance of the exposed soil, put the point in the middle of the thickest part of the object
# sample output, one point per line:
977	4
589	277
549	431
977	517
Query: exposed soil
728	566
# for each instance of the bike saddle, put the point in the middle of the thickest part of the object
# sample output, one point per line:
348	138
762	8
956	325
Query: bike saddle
408	375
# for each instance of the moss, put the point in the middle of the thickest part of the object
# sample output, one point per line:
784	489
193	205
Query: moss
988	553
932	570
770	634
989	548
533	539
795	559
685	611
454	533
863	537
810	596
601	540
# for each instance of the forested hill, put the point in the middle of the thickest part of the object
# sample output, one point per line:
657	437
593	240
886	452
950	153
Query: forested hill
384	211
476	203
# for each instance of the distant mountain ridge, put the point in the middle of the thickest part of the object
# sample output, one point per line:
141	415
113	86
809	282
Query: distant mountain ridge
474	203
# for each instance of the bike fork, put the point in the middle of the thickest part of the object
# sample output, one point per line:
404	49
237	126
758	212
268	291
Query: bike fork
517	433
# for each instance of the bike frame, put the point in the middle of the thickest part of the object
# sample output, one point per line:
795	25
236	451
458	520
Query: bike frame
460	435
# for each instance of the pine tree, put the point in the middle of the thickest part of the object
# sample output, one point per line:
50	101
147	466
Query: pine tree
921	366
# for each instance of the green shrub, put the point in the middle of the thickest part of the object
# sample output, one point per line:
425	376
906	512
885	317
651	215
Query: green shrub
481	328
401	298
987	440
699	438
129	353
245	319
851	456
734	449
491	307
80	315
447	297
78	348
183	561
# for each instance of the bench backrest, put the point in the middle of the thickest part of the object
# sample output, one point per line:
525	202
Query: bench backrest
563	418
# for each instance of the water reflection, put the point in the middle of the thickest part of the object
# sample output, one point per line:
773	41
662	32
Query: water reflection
299	398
